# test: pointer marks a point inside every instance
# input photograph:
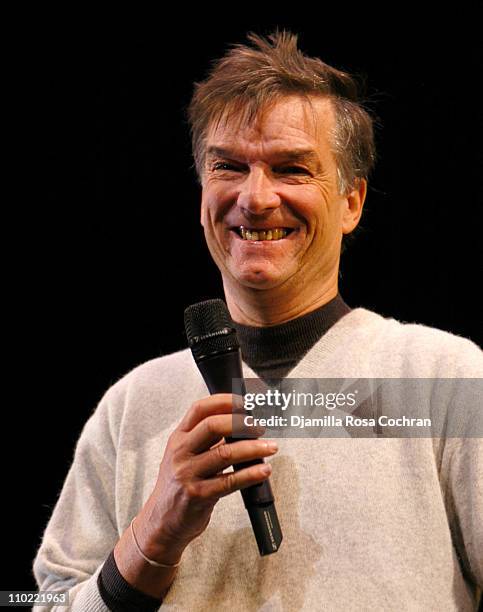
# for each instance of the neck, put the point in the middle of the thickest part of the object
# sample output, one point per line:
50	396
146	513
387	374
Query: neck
265	307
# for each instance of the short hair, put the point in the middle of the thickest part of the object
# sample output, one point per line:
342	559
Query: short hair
249	79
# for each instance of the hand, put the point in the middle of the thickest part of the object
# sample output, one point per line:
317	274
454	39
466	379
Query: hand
191	478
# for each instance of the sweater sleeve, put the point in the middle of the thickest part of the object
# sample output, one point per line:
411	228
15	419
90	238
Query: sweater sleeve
463	463
119	595
464	496
82	530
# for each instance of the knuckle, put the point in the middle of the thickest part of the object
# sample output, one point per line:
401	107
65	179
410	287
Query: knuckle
211	426
196	407
176	443
179	474
177	451
193	491
229	482
225	452
184	470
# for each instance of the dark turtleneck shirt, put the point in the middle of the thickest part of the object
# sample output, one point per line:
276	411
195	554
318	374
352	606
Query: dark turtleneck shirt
271	352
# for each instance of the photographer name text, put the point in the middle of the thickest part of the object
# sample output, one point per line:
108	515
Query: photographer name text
331	420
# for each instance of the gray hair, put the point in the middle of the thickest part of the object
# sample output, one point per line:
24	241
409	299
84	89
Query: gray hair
249	79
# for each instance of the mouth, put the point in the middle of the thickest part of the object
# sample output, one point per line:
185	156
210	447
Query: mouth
259	235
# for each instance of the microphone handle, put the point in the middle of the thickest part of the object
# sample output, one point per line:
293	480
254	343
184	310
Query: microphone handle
219	372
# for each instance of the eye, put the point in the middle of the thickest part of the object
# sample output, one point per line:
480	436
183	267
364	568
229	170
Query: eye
291	170
224	166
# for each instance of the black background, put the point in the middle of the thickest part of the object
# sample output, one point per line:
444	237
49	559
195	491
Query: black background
108	251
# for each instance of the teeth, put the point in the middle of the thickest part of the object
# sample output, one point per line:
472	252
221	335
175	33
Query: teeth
273	234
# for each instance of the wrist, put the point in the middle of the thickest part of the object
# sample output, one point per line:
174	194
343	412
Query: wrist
154	542
160	552
153	581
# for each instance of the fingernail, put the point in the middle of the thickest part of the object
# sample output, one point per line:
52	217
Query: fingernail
273	446
267	468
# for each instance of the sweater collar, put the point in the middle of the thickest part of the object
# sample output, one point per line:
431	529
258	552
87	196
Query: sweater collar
280	344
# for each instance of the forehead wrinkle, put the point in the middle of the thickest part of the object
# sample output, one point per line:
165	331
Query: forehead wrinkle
317	115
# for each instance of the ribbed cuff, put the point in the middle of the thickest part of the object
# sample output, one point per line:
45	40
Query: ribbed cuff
119	595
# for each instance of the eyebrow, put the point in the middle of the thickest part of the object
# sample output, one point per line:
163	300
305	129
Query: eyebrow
308	156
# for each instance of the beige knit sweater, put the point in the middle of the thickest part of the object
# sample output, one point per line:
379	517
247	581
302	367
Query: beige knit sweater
369	524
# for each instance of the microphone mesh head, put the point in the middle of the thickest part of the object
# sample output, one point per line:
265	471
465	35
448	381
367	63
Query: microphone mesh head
209	328
206	318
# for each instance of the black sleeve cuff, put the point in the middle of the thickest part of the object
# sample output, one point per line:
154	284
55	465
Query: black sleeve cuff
119	595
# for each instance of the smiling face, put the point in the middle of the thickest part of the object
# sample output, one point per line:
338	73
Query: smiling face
276	179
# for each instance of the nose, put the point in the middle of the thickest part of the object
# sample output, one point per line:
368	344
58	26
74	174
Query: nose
257	192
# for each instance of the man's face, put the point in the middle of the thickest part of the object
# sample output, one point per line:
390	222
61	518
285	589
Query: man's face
275	178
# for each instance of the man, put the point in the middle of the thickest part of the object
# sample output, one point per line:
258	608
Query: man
147	517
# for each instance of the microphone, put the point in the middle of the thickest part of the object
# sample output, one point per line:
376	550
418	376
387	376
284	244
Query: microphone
216	351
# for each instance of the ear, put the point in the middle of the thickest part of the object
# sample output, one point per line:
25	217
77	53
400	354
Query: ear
354	203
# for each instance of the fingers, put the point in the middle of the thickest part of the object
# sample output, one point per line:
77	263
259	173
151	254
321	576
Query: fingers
208	432
220	403
216	427
223	456
194	459
224	484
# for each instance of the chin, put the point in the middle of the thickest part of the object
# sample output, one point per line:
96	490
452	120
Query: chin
260	278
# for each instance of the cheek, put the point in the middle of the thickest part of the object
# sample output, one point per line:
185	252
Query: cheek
312	204
207	210
315	215
214	205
